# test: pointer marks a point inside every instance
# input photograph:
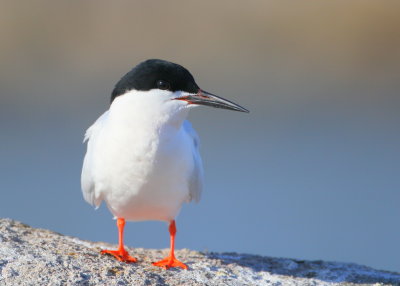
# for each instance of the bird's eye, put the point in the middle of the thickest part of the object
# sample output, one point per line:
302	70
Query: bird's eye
162	84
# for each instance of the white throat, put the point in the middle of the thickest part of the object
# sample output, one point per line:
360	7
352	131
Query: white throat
151	109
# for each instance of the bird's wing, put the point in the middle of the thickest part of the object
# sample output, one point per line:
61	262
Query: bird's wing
87	180
196	177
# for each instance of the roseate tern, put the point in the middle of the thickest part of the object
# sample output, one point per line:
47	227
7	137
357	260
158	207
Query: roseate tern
142	154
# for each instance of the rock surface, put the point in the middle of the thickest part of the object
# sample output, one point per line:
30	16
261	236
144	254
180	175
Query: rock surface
30	256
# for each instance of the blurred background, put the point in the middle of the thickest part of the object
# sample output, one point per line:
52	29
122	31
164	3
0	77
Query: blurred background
311	173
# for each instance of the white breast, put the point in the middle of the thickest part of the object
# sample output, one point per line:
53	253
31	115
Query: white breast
139	159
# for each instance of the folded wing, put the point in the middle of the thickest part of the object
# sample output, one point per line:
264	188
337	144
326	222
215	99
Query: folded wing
196	178
90	194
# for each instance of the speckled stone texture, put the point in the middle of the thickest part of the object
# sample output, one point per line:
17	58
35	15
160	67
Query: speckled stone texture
30	256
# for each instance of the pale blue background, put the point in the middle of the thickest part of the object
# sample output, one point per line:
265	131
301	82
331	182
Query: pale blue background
312	172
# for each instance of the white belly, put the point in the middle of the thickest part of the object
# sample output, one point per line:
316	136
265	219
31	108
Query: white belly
143	176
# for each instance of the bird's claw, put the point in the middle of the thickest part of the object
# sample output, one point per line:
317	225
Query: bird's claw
121	255
169	262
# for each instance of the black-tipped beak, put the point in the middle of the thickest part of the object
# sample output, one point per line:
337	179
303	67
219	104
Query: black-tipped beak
209	99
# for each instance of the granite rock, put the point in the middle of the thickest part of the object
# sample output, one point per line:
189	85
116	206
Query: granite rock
30	256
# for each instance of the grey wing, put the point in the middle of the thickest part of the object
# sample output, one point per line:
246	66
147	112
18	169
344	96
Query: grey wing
196	177
87	180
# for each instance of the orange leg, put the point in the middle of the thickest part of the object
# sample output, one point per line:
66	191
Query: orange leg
171	261
121	254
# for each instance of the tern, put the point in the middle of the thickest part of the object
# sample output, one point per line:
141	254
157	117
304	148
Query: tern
143	155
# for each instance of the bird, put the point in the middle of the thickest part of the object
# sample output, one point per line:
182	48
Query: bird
142	156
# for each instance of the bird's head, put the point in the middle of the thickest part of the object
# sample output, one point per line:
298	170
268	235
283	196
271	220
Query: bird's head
172	82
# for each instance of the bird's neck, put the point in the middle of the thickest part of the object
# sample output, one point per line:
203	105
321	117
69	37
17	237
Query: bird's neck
148	112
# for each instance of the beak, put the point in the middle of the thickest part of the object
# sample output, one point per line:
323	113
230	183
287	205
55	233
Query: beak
205	98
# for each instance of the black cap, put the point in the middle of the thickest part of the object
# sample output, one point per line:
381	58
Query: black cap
156	74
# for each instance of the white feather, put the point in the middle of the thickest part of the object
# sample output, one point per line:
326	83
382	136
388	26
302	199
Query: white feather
87	180
196	178
142	157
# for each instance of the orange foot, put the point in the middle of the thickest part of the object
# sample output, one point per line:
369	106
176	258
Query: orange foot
169	262
121	255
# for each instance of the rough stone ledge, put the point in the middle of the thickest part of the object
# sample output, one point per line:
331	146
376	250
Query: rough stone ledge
30	256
